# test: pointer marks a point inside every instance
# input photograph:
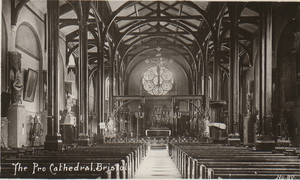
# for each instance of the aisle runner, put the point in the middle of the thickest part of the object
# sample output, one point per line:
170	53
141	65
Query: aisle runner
157	165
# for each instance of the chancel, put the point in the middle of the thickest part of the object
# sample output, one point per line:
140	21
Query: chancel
150	89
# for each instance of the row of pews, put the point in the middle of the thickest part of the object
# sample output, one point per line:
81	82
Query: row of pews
113	160
211	161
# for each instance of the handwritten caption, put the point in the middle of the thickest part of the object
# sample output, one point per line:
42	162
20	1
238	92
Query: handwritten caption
64	167
285	177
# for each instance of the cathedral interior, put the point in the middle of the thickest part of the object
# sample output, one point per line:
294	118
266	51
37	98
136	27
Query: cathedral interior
214	84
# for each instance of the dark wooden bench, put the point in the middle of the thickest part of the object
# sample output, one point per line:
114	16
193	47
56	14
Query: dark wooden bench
121	161
212	161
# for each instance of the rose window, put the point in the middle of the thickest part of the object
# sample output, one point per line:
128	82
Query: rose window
158	80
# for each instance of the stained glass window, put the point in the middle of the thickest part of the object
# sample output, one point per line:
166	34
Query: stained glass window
158	80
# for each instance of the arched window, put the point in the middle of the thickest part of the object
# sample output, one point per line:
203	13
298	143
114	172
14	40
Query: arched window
202	85
209	86
26	41
158	80
107	87
209	82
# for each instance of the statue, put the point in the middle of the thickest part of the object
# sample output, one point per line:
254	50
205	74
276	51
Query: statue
257	121
249	99
17	88
248	103
36	129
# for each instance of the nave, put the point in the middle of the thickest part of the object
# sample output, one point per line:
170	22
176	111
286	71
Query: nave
101	80
157	165
177	159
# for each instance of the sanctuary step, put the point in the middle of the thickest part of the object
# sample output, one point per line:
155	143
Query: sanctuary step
158	146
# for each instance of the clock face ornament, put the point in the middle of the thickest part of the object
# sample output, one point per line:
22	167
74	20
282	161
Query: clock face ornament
157	80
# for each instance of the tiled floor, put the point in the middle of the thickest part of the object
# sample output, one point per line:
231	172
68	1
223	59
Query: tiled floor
157	165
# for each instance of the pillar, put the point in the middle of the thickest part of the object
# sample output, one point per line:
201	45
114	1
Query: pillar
111	77
234	78
216	104
206	93
78	103
84	77
265	141
100	92
53	138
1	63
249	118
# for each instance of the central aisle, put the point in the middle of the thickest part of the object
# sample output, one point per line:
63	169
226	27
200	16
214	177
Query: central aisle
157	165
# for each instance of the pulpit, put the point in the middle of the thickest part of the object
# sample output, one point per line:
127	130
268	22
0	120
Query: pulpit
67	128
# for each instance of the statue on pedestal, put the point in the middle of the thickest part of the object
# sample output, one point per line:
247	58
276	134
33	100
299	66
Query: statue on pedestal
249	99
36	130
16	76
17	88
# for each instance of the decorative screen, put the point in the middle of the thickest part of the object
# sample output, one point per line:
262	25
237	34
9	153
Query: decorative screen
157	80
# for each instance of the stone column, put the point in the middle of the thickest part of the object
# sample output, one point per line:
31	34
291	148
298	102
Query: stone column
117	72
216	104
206	93
100	92
53	138
111	77
84	78
137	124
265	141
234	77
78	102
249	118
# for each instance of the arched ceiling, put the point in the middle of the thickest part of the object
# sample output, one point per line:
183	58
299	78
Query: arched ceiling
135	27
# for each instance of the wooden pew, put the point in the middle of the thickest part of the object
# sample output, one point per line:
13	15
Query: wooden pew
231	162
123	161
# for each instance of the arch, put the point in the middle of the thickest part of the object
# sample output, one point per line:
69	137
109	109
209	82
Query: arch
145	22
150	49
126	71
175	68
288	65
220	21
73	49
286	78
280	32
190	4
209	86
28	32
106	86
76	8
224	90
149	37
91	91
28	42
130	3
62	72
16	10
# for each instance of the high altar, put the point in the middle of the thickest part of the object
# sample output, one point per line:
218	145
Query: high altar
159	121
